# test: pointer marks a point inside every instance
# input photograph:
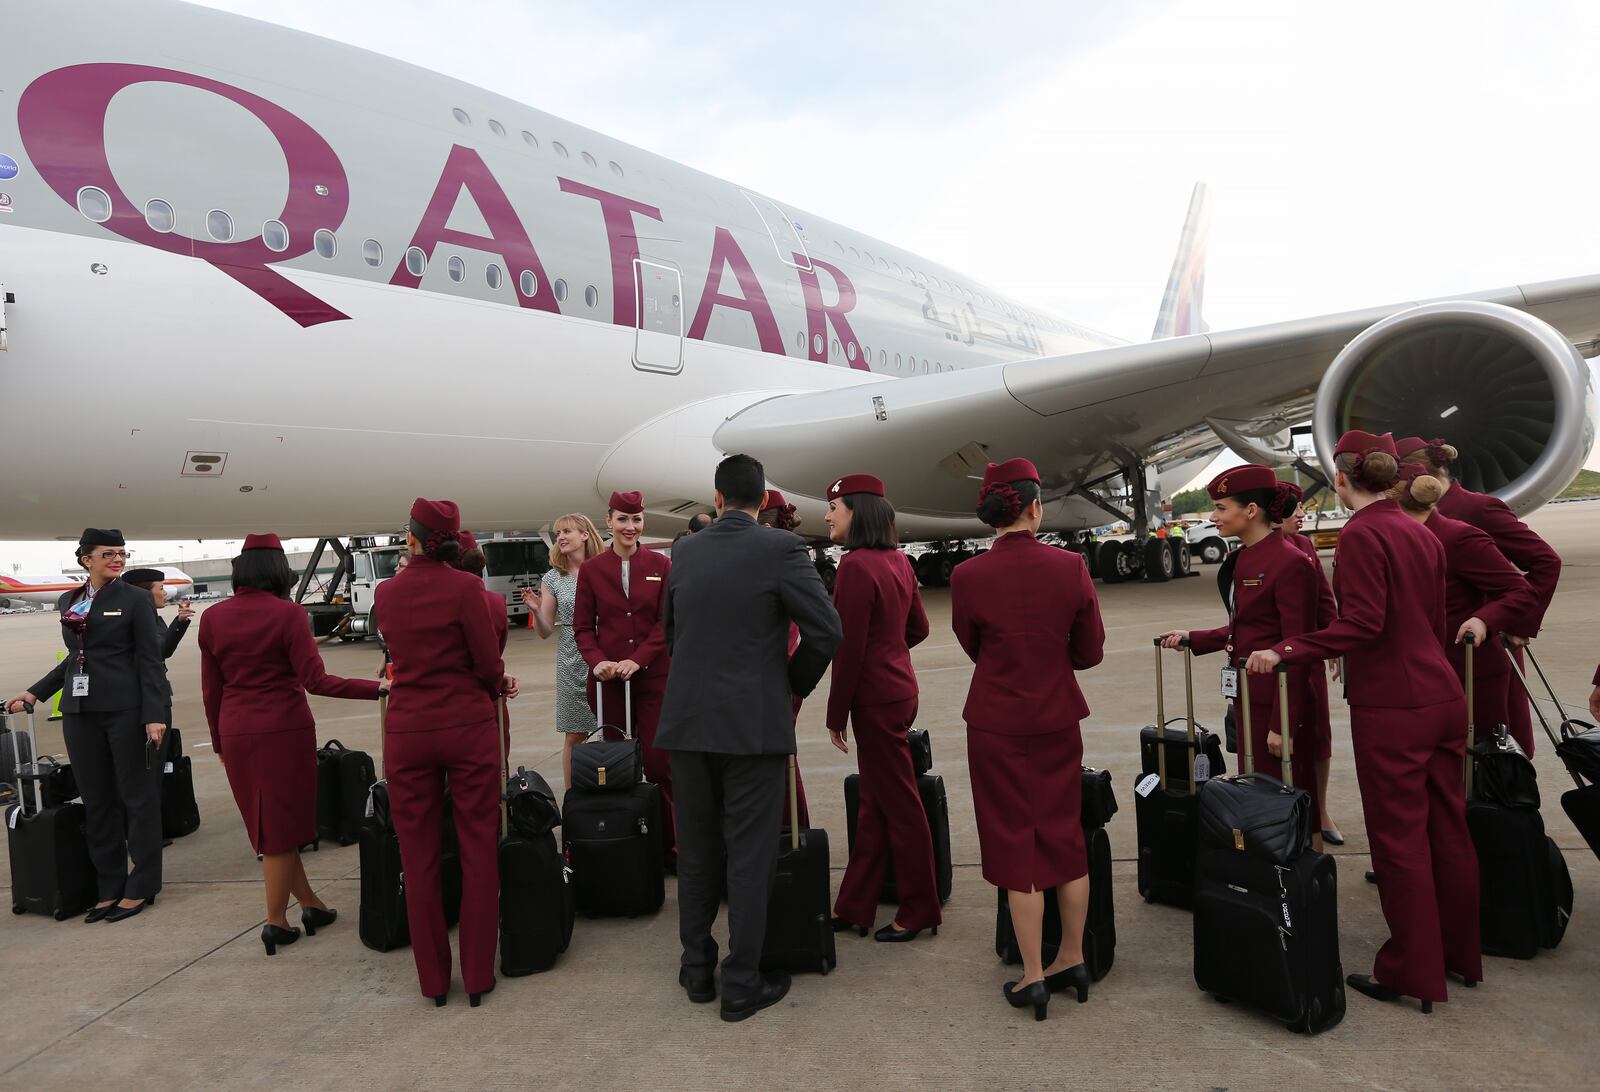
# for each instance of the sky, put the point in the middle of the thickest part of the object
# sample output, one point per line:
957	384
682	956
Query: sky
1361	153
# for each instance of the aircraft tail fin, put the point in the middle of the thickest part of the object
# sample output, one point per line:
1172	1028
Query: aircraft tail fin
1180	305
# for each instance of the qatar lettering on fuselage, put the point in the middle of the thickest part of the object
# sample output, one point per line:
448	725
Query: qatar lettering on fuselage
62	120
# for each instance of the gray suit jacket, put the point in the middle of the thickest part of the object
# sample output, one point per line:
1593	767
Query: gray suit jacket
734	589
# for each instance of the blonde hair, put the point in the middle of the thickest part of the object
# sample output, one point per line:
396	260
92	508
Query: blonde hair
1376	473
582	523
1418	492
1428	457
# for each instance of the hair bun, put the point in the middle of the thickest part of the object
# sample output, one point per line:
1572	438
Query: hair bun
999	505
1377	470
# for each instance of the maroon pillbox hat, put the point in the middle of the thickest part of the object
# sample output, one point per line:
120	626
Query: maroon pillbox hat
440	515
1241	479
855	483
774	500
628	503
1356	442
263	542
1012	470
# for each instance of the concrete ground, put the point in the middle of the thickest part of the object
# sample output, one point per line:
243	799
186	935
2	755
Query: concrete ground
183	995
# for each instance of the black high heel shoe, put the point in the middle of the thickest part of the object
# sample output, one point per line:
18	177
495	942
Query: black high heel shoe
840	925
1363	983
1073	978
273	937
1037	995
474	999
438	1002
314	919
890	935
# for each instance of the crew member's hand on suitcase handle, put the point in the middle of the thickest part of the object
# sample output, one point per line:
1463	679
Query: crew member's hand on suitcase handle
23	702
1174	639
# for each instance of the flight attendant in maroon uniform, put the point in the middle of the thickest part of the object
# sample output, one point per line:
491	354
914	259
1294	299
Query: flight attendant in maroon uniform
473	562
1026	614
1524	549
1319	724
1484	594
1274	596
448	676
780	515
1407	717
616	621
257	662
875	691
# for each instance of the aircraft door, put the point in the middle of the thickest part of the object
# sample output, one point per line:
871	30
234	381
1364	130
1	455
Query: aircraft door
658	318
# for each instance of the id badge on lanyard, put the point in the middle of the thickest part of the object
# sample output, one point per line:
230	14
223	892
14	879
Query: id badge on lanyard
1230	682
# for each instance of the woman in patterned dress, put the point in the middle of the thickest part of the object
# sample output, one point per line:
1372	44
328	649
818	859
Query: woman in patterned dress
577	540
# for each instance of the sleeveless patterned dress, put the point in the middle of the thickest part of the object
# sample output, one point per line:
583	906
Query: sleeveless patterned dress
572	674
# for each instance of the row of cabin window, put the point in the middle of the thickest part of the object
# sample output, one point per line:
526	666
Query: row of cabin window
532	141
850	351
921	280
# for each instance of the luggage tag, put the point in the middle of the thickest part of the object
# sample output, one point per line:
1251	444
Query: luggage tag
80	685
1202	768
167	768
1230	682
1147	784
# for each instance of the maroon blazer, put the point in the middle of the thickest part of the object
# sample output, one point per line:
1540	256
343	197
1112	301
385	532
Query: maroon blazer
257	661
1275	595
1479	582
1513	538
1327	605
441	635
1027	615
1388	574
611	626
875	593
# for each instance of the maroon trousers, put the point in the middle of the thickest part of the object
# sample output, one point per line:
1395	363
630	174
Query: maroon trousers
1409	767
417	764
891	817
647	698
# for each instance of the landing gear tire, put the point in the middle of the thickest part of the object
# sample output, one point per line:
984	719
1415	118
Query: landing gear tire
946	567
1158	561
1212	551
1120	562
1182	558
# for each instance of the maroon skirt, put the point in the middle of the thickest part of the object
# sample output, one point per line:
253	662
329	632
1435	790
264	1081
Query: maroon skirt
274	781
1027	792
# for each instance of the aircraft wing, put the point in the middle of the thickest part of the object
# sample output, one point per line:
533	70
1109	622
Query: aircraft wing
1082	416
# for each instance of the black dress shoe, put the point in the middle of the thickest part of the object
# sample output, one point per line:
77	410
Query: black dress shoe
314	919
773	988
840	925
438	1002
97	913
474	999
890	935
272	937
1073	978
698	984
1037	995
1363	983
118	912
1333	837
1469	983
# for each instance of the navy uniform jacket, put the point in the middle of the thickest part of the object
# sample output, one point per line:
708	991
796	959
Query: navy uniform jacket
122	656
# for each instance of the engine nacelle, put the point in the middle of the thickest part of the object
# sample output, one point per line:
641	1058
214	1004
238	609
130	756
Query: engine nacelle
1505	388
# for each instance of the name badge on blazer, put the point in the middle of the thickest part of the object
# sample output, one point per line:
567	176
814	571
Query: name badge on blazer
655	578
1252	583
111	614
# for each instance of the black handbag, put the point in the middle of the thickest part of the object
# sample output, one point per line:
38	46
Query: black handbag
1099	803
1255	814
609	765
921	751
1502	773
531	804
1580	749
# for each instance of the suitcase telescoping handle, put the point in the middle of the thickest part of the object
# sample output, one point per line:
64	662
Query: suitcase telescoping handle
1467	787
1241	706
1283	724
794	802
16	760
1516	669
1161	712
505	762
627	707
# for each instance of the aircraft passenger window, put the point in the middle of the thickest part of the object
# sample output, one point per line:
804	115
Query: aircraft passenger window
561	290
275	235
883	263
457	269
492	275
591	296
416	261
616	168
589	160
883	362
816	344
461	115
95	204
850	351
867	256
896	361
924	365
159	215
529	139
800	340
528	283
219	225
866	354
897	268
496	128
327	245
856	254
835	351
560	148
839	246
372	252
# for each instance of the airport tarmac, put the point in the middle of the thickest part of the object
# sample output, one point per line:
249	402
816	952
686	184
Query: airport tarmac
184	996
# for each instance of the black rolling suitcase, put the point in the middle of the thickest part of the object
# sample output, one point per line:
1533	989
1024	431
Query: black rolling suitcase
611	827
51	872
799	933
180	814
936	805
383	924
1164	801
1100	926
1579	750
343	778
1266	920
536	907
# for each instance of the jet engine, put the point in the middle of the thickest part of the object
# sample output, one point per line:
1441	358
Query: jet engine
1505	388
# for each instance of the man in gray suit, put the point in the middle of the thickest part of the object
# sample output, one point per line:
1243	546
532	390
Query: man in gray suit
729	723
